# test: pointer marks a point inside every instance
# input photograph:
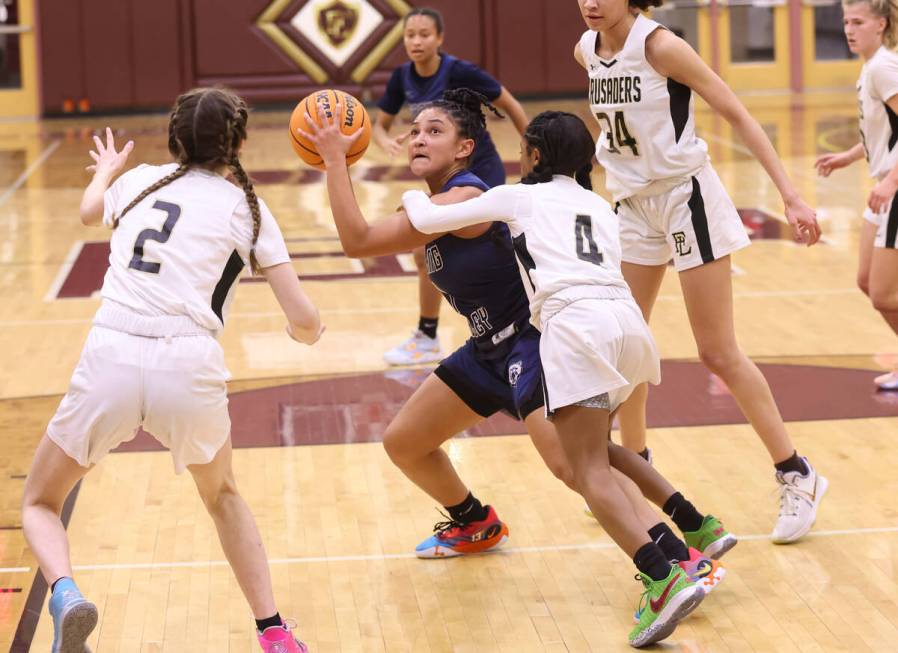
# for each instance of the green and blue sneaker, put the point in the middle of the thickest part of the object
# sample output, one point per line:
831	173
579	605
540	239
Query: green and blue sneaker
712	539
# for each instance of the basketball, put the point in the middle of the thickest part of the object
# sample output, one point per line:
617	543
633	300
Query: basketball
355	118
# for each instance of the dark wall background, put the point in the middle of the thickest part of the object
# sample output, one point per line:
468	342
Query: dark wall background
131	54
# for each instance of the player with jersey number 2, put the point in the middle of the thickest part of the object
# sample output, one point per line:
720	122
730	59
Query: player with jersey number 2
673	205
181	234
595	346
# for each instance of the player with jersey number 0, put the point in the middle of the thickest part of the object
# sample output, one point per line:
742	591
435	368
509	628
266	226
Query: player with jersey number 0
595	345
672	204
181	234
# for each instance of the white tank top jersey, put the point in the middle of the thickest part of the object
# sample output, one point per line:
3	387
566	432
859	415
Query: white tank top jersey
565	237
877	84
180	251
647	123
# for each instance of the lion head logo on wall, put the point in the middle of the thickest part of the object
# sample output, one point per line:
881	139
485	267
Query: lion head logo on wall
338	20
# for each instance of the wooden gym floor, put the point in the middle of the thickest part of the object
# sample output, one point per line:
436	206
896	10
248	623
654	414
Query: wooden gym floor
340	522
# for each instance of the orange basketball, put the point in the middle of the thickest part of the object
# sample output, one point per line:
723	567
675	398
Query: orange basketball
355	118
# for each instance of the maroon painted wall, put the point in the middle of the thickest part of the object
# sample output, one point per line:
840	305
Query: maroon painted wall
129	54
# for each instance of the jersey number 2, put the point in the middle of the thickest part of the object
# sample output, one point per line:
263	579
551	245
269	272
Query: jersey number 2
173	211
618	135
587	249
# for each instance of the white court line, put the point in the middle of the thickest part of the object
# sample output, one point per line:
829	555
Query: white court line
30	170
7	324
64	270
588	546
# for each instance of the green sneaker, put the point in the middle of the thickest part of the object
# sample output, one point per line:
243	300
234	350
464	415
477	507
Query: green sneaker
712	538
663	605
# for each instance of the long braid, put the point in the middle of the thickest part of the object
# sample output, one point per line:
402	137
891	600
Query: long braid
180	172
253	201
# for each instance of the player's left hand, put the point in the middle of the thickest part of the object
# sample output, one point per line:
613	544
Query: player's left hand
803	220
882	194
107	161
330	141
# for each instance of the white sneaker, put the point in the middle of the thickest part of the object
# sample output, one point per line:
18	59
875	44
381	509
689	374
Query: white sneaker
800	494
420	348
887	381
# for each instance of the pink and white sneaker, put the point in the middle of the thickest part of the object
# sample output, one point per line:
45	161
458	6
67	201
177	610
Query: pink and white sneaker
887	381
279	639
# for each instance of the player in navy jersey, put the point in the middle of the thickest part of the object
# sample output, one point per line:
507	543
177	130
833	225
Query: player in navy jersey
424	78
499	367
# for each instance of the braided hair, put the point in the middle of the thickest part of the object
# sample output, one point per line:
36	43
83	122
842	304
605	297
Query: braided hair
565	148
205	129
464	108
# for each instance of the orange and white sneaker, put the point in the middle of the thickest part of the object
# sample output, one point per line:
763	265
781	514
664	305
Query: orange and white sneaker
418	349
280	639
451	538
702	570
887	381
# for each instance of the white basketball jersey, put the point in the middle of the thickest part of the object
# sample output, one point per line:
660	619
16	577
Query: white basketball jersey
565	236
648	129
879	124
180	251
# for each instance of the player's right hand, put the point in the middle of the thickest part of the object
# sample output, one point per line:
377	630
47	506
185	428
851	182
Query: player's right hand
106	160
829	162
305	336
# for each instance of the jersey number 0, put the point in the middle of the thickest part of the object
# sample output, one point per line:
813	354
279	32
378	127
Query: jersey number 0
173	211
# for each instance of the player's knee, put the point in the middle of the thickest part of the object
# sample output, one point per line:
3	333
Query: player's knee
397	442
720	360
564	473
863	282
884	301
217	497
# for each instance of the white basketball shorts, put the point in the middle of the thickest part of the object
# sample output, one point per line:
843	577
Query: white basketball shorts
886	222
174	387
593	346
693	223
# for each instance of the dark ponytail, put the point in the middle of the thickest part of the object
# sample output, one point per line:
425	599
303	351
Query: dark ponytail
565	148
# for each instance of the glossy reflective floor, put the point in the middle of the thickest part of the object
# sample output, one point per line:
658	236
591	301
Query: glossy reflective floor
340	522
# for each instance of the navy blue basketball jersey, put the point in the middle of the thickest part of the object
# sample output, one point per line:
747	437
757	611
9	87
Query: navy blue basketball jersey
480	279
407	86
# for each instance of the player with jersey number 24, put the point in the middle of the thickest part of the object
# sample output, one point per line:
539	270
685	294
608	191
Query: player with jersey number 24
181	234
595	346
672	205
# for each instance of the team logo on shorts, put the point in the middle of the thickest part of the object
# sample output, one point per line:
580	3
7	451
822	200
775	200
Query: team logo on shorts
680	243
514	372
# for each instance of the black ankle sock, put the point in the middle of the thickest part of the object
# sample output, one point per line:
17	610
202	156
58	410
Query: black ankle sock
650	560
428	326
53	586
793	463
674	548
468	510
270	622
683	513
644	453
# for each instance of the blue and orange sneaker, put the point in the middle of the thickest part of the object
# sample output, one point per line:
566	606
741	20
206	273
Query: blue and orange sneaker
74	618
451	538
702	570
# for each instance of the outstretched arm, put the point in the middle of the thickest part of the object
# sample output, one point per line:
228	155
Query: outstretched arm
390	235
107	165
499	203
513	109
674	58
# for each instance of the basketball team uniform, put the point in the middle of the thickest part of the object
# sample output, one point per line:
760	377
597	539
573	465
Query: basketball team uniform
877	84
498	367
406	86
670	200
595	345
152	359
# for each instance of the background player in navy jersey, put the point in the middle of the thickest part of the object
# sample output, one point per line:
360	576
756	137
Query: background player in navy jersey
672	205
152	358
499	367
424	78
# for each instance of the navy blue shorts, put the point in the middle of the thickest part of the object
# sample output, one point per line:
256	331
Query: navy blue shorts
512	382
